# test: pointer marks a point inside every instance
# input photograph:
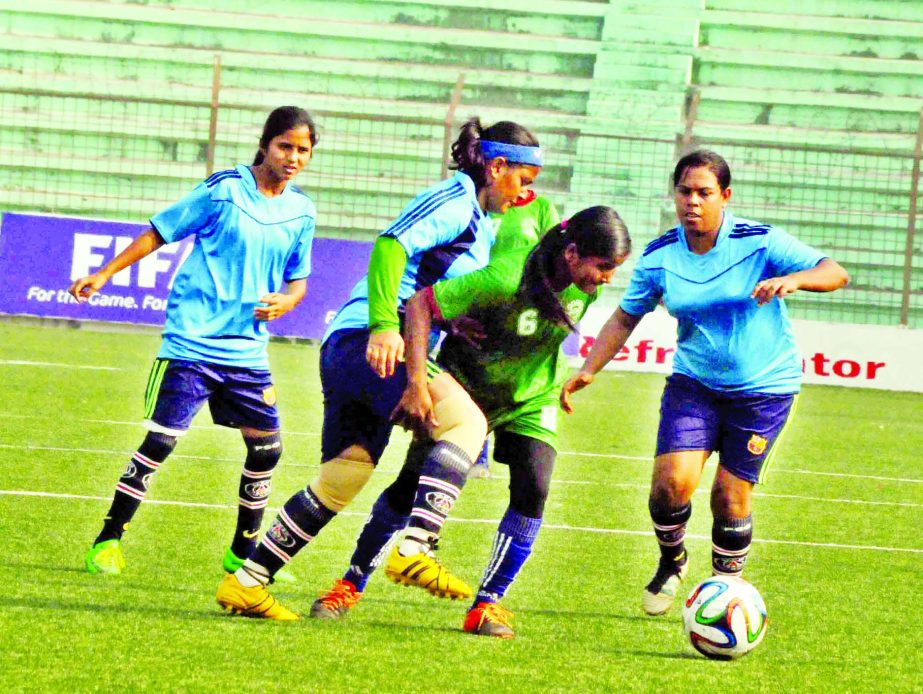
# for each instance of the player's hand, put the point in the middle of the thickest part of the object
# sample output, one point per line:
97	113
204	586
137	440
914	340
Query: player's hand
575	383
86	287
273	305
781	287
384	351
415	410
468	330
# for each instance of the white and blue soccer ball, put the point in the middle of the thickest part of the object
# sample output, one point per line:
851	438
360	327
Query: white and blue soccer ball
724	617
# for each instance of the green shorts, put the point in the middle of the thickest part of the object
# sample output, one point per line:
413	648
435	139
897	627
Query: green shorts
537	418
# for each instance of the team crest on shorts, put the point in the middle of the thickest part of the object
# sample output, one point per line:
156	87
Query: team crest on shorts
269	395
757	444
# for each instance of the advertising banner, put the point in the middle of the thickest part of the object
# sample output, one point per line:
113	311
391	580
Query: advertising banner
836	354
40	256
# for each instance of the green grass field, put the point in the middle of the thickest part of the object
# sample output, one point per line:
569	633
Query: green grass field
838	554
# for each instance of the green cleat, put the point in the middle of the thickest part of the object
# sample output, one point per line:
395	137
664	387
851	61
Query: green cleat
232	562
105	558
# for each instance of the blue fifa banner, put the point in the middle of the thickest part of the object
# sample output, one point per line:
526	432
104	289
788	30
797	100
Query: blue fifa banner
40	256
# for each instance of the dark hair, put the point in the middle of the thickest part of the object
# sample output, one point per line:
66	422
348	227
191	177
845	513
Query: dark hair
466	150
713	161
597	232
281	120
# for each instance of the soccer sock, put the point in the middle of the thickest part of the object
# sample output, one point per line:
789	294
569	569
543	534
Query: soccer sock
263	454
383	522
441	480
512	547
670	529
730	543
133	484
483	458
297	524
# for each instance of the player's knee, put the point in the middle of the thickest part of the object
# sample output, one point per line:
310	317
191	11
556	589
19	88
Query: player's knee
461	423
157	446
339	481
263	452
529	501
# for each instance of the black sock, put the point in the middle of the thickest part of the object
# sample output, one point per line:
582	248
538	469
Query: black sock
263	454
670	529
730	544
297	524
441	480
133	484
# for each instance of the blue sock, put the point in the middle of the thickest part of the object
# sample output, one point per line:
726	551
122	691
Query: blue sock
483	458
512	546
380	527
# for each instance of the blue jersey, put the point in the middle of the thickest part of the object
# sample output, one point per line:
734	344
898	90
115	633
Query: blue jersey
246	245
444	233
725	341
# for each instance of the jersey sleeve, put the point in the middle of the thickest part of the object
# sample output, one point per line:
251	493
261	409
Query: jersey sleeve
787	254
489	285
430	221
643	292
298	266
192	214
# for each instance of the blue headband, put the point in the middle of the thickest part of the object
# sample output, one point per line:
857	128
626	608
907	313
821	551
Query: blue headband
517	154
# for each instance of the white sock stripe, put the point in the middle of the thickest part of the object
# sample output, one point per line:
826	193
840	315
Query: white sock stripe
272	547
715	572
134	493
433	518
291	525
729	552
254	475
668	528
501	547
144	460
252	505
441	485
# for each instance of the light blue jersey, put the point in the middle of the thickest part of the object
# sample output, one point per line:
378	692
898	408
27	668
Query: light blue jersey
246	245
444	233
725	341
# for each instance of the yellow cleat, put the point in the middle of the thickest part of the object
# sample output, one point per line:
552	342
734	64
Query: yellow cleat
251	602
425	571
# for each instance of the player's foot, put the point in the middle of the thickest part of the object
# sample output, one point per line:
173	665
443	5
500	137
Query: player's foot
425	571
489	619
232	562
335	603
479	470
254	601
659	594
105	558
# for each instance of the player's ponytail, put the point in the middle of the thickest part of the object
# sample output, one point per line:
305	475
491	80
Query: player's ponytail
281	120
467	153
596	232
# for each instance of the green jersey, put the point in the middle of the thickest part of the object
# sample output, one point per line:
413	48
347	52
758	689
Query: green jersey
520	361
523	225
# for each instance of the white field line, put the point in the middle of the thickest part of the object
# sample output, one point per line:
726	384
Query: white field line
550	526
392	471
21	362
576	454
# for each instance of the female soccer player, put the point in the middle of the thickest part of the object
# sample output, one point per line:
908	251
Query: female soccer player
249	265
736	371
527	300
443	232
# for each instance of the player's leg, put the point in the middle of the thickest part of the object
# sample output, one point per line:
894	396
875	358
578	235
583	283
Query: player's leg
388	516
352	441
686	436
752	429
175	392
457	441
531	462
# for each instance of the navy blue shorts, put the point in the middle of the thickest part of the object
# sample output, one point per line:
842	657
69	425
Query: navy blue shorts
744	428
176	391
357	402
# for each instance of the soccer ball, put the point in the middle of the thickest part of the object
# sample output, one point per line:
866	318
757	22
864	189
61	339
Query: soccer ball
724	617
